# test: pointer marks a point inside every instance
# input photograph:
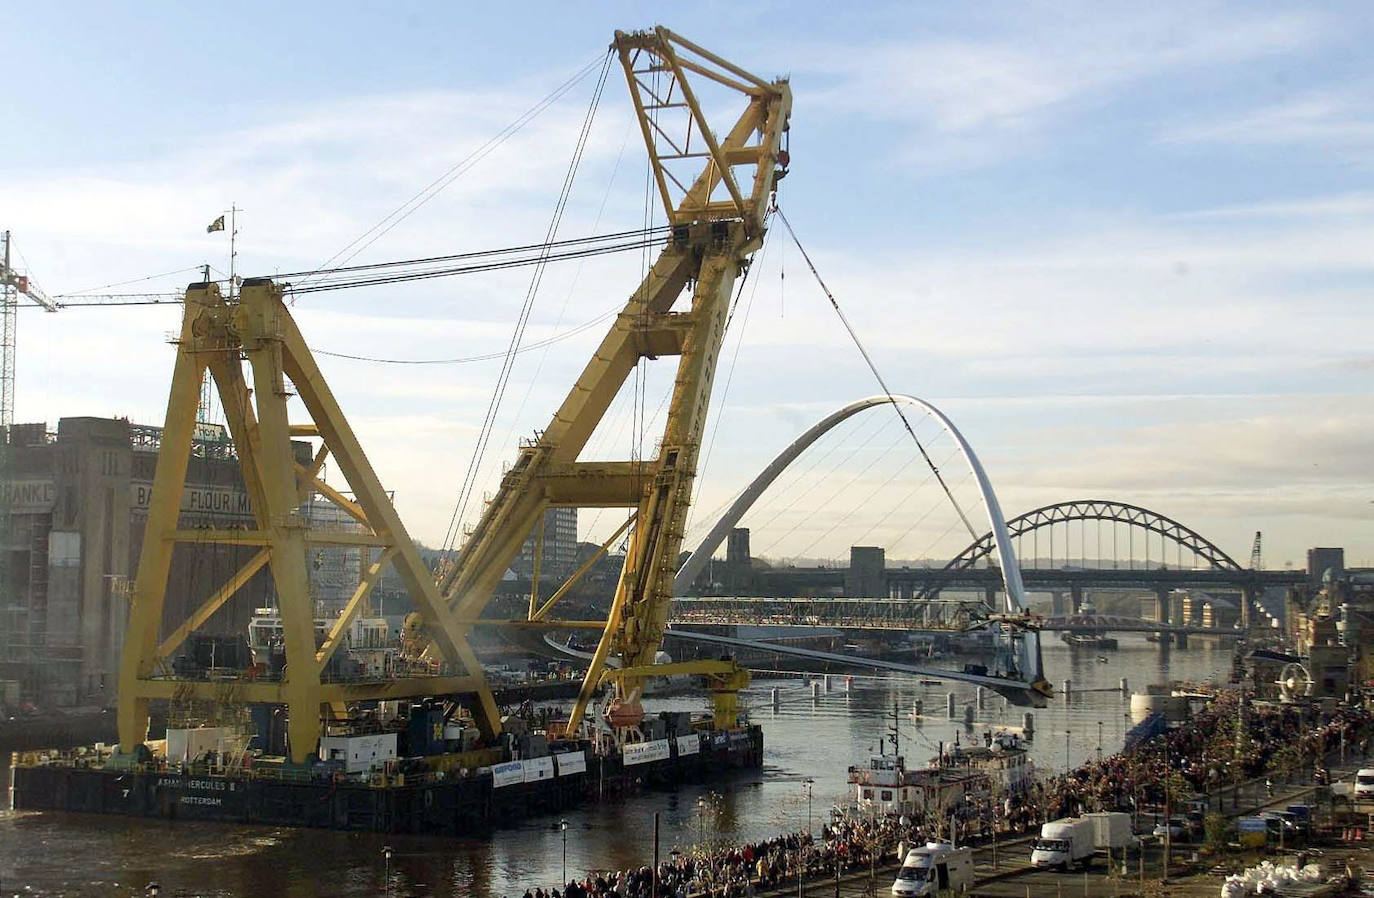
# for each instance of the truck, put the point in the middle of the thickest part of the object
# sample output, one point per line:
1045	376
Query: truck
1063	843
1111	830
932	868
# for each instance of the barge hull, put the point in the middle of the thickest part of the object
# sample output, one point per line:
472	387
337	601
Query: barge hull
452	805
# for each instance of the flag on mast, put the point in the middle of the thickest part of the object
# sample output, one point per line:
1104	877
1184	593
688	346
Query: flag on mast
216	225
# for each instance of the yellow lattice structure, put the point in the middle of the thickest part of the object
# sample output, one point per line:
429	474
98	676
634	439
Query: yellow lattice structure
219	336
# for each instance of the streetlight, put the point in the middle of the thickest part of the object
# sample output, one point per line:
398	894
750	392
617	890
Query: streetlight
653	881
1066	751
563	826
807	784
1099	740
701	819
386	856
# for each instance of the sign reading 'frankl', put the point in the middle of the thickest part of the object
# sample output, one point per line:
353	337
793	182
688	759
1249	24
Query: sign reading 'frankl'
29	496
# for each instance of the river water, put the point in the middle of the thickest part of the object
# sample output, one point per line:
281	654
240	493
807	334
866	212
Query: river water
57	854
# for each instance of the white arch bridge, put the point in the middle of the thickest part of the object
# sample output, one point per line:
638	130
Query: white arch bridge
1017	671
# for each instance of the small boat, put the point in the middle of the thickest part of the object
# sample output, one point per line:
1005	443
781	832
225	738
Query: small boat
930	682
1101	659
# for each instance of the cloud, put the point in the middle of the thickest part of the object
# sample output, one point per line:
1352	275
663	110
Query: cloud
1093	346
1336	119
971	101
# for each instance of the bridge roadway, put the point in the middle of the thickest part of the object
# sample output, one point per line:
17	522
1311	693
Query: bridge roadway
905	582
939	615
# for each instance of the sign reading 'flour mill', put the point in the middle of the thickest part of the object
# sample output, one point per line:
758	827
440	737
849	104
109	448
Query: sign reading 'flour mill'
198	499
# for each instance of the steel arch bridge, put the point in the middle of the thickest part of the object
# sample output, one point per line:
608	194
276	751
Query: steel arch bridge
1088	510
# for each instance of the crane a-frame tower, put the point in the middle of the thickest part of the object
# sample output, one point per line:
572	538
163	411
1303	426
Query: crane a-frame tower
217	336
717	214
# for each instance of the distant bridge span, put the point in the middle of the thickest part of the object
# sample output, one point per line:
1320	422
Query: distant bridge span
903	615
1101	510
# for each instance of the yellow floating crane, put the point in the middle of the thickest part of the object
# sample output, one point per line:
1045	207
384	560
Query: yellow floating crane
717	220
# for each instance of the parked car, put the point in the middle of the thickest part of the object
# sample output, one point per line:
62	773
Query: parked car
1176	828
1291	824
1303	813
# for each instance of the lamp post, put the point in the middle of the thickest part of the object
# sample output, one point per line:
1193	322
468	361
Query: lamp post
653	881
1099	740
563	826
386	882
807	784
701	820
1067	733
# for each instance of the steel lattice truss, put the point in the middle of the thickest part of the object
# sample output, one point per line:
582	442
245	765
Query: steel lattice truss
1090	510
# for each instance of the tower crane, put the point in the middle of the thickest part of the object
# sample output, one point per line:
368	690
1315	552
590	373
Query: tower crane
13	285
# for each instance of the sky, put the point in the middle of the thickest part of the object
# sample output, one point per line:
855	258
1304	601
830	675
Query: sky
1125	247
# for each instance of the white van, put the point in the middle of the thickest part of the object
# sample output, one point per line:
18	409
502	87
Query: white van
1364	783
1063	843
935	867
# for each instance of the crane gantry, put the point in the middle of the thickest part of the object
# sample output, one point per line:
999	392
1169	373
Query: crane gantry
718	220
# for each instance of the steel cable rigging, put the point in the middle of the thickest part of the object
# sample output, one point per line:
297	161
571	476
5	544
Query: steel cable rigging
503	379
461	167
853	335
388	273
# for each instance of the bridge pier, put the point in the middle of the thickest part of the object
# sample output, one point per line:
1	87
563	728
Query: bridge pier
1162	612
1077	592
1248	599
990	596
1057	604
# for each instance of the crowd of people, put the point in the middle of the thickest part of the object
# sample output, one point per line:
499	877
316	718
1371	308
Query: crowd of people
1218	746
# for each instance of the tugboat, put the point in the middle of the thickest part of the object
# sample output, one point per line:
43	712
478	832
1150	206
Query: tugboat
1001	766
1003	757
888	786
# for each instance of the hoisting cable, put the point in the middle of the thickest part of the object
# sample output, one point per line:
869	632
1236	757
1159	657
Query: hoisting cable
458	169
834	303
503	380
372	275
485	357
477	254
539	259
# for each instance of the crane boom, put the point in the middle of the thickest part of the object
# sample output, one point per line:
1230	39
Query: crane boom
717	221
